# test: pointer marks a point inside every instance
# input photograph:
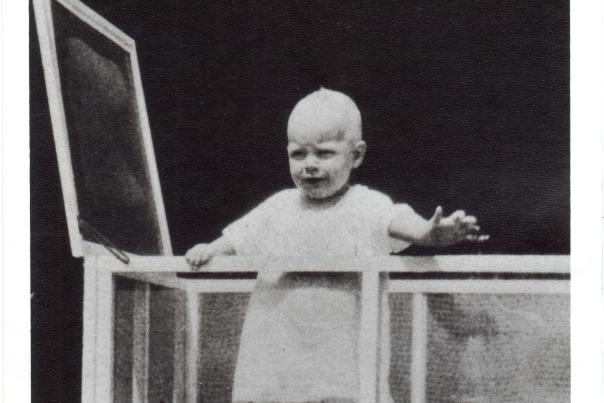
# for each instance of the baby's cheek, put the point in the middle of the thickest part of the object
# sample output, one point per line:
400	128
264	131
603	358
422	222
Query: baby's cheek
294	169
339	173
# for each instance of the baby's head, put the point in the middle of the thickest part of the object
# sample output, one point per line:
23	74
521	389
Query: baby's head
324	143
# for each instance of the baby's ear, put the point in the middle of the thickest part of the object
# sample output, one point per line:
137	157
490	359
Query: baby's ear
360	148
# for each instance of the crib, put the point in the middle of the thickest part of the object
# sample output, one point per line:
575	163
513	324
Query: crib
464	328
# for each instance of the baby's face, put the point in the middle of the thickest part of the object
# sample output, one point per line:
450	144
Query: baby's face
320	163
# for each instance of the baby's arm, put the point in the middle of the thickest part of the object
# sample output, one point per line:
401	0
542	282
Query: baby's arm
438	231
201	253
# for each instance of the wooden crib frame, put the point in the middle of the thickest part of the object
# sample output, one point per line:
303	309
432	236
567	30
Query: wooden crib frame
490	274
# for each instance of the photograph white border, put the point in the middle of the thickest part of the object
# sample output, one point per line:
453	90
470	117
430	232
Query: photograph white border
587	304
586	243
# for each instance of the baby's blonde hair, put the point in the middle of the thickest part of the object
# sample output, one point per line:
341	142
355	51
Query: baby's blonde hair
326	111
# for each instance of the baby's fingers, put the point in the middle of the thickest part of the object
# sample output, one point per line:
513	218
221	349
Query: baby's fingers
197	261
438	215
458	216
197	256
470	220
471	229
192	259
477	238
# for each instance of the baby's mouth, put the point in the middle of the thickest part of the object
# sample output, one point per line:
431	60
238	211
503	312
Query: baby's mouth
313	180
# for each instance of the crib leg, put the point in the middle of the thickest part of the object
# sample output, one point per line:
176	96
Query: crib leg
89	336
419	343
368	337
193	358
104	335
140	343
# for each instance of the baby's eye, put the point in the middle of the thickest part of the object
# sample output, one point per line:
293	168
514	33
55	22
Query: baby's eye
297	154
324	154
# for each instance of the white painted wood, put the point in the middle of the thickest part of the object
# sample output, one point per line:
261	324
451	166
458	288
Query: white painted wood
489	263
96	21
209	286
196	285
419	345
140	343
368	337
493	286
104	336
409	264
481	286
167	279
89	331
384	342
193	340
46	37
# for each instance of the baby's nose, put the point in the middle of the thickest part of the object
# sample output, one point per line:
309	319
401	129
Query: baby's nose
310	169
311	162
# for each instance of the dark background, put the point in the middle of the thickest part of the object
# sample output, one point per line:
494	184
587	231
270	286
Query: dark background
464	104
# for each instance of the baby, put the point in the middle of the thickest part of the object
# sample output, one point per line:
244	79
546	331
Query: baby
299	339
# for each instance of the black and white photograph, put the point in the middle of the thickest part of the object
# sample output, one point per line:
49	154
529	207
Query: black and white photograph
300	202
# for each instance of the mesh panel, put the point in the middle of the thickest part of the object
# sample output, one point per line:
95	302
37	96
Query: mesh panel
481	348
164	342
222	316
401	310
166	334
123	339
498	348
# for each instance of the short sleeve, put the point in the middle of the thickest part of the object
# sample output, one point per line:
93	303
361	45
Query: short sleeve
383	211
244	233
397	245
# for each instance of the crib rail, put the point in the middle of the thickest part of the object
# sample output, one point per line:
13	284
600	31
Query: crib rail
418	276
404	264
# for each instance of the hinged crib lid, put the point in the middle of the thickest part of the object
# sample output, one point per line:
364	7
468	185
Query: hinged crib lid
107	166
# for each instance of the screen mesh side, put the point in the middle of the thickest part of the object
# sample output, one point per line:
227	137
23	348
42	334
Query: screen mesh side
123	338
163	327
222	316
498	348
106	138
165	344
401	311
480	348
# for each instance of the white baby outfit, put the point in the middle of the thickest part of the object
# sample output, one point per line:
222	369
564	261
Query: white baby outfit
299	339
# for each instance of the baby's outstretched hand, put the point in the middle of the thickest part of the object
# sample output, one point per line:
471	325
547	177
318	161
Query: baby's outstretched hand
455	228
199	255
